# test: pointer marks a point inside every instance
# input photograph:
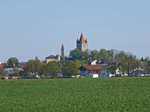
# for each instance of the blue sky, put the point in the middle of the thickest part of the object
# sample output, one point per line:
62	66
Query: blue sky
30	28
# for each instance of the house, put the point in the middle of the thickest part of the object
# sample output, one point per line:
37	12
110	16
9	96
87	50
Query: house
119	73
3	65
145	71
97	71
91	71
96	62
134	73
106	72
22	65
52	58
11	71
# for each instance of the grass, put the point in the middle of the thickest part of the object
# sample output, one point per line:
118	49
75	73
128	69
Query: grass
75	95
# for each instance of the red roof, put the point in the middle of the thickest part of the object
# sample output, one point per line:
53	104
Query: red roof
62	47
82	39
22	66
2	65
93	67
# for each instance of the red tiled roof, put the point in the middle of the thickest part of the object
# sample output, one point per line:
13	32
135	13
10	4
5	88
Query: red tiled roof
93	67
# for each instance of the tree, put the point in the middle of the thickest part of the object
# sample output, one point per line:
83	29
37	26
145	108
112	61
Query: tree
52	68
62	63
42	69
94	55
112	69
16	71
122	66
146	61
2	72
32	67
120	56
77	54
12	62
103	55
137	64
36	58
71	68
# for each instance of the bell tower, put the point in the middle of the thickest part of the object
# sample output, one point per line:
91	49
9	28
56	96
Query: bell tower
62	51
82	43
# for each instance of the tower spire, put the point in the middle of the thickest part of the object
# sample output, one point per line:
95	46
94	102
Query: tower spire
82	38
62	51
62	47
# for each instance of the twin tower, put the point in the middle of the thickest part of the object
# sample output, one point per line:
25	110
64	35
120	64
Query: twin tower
82	45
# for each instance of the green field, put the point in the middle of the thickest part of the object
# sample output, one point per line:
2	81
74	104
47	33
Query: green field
75	95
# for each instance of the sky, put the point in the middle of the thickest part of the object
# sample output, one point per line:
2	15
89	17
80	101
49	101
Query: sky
30	28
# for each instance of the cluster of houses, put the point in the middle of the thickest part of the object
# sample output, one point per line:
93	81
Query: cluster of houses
96	69
10	72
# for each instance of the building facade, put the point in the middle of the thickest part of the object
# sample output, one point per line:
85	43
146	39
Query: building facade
82	44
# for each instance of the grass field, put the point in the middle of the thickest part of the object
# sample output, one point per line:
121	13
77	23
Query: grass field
75	95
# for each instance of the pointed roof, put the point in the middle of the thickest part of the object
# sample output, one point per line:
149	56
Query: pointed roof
62	47
82	38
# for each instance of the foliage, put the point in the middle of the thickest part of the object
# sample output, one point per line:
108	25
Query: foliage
103	55
77	54
13	62
2	72
52	68
16	71
75	95
112	69
32	67
94	55
72	67
120	56
122	66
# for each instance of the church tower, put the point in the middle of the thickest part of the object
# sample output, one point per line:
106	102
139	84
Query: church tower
62	51
82	43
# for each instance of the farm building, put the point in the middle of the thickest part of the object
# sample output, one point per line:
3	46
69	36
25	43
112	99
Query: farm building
95	71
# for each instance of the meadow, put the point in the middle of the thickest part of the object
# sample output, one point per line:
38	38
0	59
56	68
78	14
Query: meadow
75	95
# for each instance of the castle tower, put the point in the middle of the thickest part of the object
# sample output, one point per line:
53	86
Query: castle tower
82	43
62	51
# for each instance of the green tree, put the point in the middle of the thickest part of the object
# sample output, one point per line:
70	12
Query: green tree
120	56
103	55
12	62
42	69
79	55
72	68
146	61
33	67
112	69
2	72
52	69
94	55
62	63
122	66
16	71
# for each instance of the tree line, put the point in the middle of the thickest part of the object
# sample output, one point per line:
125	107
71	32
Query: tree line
70	66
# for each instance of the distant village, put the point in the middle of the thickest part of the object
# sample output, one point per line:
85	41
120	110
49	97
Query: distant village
80	63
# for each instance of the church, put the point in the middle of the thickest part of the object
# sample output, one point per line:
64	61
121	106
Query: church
82	44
